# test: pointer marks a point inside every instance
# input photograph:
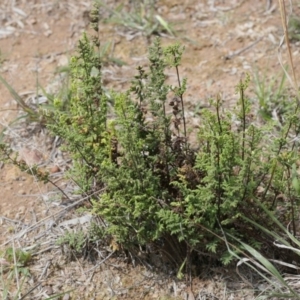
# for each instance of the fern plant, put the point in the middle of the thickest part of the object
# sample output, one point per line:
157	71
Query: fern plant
84	125
157	192
139	179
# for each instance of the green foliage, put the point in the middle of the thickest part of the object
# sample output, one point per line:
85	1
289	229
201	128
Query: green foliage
75	241
14	264
294	28
140	17
30	113
17	256
14	273
139	177
272	96
81	243
156	188
83	126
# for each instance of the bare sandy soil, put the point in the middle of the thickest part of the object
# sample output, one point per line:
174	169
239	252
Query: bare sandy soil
223	41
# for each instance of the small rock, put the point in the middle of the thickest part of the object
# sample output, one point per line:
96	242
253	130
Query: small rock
66	297
48	290
54	169
47	33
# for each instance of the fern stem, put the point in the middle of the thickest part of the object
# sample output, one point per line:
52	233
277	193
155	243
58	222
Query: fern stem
242	97
182	107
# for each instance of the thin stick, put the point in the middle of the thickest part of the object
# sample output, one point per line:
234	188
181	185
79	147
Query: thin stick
286	37
238	52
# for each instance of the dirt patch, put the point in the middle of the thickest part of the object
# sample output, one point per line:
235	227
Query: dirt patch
222	41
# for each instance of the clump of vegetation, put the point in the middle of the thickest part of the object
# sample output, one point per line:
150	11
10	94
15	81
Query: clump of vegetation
76	243
137	16
149	186
17	256
294	28
158	191
273	96
13	271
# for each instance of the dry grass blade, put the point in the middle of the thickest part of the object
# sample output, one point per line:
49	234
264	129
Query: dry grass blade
19	99
30	291
284	244
260	265
165	25
286	38
258	262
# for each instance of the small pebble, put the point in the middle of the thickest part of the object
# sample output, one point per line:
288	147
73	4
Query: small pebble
66	297
48	290
54	169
